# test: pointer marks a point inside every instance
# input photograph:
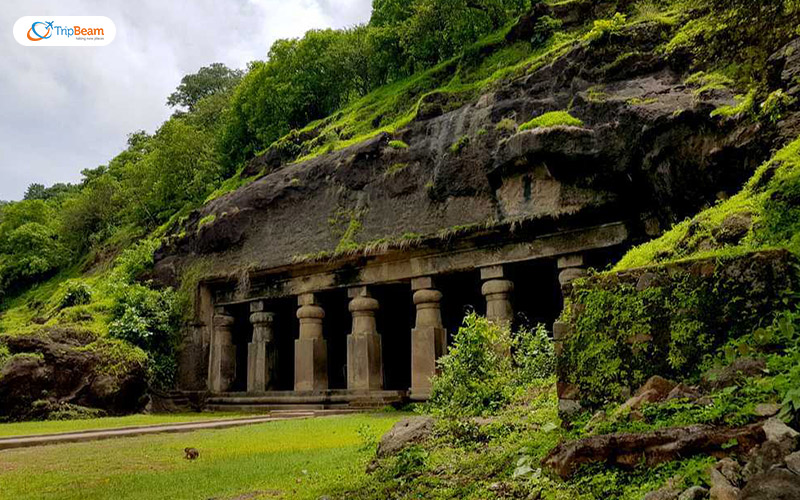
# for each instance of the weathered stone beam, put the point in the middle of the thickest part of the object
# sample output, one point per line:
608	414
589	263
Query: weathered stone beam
546	246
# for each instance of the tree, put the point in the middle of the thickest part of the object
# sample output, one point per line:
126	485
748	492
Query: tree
209	80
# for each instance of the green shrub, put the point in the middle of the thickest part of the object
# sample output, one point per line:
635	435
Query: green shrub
552	119
476	372
534	355
603	28
149	319
398	145
76	293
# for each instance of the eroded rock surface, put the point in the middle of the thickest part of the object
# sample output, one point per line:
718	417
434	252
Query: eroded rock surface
654	447
405	432
648	149
67	367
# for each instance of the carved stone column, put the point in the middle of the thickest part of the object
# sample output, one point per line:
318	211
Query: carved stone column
498	295
261	352
364	359
570	268
222	355
428	338
311	349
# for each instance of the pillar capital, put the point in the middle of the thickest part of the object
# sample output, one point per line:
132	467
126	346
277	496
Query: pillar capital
496	287
427	296
363	306
262	318
570	260
421	283
492	272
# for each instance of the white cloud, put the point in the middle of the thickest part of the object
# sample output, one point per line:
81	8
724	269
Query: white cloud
63	109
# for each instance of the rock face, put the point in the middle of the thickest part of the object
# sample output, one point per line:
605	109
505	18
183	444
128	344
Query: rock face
67	367
648	149
405	432
775	484
654	447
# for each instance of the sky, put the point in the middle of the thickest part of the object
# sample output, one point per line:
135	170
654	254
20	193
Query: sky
64	109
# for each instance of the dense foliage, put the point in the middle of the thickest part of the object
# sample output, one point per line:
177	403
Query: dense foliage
486	367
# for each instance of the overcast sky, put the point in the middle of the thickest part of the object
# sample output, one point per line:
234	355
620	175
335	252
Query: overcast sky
63	109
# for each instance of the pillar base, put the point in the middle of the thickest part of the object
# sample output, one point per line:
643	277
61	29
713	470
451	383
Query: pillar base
222	367
261	358
364	362
427	345
310	365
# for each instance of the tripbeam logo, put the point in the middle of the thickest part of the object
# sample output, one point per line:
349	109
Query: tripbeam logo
64	31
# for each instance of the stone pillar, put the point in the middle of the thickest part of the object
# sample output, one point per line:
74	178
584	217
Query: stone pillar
261	352
222	355
364	359
497	292
428	338
570	268
311	349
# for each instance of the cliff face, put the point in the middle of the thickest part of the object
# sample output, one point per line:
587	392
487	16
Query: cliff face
648	152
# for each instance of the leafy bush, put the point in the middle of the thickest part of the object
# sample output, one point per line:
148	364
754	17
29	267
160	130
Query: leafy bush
603	28
534	355
476	372
478	376
149	319
76	293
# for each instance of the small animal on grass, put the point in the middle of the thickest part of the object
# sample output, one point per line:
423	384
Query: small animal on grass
191	453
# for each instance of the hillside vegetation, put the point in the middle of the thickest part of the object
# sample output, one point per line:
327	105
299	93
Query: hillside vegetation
76	257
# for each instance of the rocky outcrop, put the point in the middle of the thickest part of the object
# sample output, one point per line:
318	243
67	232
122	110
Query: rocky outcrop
405	432
648	150
67	370
654	447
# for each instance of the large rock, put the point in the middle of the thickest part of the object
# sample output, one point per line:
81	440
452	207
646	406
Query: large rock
654	447
59	367
655	389
774	484
405	432
733	374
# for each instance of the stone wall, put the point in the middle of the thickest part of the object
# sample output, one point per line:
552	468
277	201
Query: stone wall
619	329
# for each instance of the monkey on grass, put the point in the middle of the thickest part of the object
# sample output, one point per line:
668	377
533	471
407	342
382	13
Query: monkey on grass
191	453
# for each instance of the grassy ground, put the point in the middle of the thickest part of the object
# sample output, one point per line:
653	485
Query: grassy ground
51	426
295	459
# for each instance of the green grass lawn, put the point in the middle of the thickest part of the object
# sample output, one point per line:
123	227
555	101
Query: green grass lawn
300	459
51	426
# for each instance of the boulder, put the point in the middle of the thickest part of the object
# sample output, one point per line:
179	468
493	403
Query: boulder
762	458
781	433
64	368
683	391
793	462
405	432
733	374
694	493
655	389
774	484
767	410
653	447
721	487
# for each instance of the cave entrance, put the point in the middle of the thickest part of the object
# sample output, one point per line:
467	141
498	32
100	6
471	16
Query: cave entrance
537	295
286	329
395	319
335	327
461	294
242	335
